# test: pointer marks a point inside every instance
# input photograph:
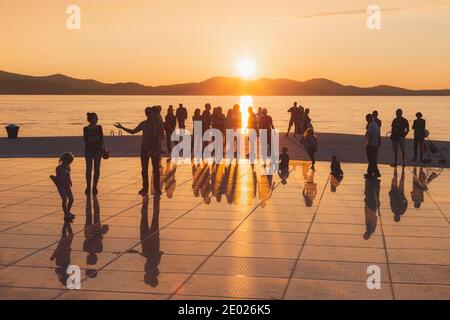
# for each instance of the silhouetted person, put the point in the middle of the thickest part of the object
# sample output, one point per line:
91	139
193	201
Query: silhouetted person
311	146
196	117
379	123
294	111
93	147
252	122
219	121
237	117
307	123
181	115
373	141
266	123
94	232
419	187
399	131
300	120
397	197
153	132
63	183
206	118
372	204
259	115
229	119
283	166
419	127
376	119
169	126
61	255
310	190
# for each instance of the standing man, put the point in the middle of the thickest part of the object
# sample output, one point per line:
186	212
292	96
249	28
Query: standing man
419	127
206	118
373	142
181	115
399	131
153	132
293	121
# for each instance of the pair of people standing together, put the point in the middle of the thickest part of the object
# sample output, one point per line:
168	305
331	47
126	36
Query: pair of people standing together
299	119
399	132
93	152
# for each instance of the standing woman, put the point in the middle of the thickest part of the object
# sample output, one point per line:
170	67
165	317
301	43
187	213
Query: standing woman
93	139
169	126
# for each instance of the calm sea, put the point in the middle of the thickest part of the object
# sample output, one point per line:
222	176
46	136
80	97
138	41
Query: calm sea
65	115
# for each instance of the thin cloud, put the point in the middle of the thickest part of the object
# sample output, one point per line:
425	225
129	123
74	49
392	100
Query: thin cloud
345	13
361	11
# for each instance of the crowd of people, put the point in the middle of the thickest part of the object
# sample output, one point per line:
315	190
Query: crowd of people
155	127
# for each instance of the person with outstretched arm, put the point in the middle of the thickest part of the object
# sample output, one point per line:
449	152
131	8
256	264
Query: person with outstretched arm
153	132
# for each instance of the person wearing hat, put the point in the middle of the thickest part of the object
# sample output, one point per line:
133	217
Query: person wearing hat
419	127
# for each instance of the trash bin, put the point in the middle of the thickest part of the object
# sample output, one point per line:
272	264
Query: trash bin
13	131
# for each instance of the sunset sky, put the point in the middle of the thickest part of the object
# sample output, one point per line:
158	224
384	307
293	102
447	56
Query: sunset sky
173	41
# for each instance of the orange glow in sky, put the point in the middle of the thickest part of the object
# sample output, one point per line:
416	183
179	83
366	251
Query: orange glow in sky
177	41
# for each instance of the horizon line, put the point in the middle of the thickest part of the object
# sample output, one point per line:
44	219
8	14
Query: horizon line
225	77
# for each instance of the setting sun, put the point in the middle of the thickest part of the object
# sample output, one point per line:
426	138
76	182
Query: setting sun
246	68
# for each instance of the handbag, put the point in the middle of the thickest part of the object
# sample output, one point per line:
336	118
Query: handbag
105	153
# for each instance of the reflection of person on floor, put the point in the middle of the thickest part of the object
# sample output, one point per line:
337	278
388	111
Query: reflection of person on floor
310	189
253	185
397	197
217	175
150	242
61	255
337	175
283	167
372	203
170	182
419	187
159	181
230	182
93	234
265	188
201	182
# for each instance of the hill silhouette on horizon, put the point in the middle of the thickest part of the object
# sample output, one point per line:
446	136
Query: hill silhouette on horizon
59	84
